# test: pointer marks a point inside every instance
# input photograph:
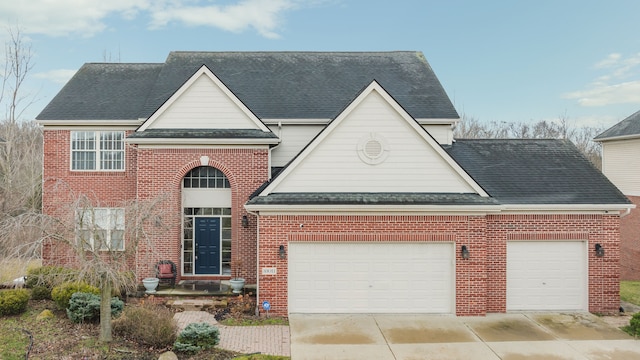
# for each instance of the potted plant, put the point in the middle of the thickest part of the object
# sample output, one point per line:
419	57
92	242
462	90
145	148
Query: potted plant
237	282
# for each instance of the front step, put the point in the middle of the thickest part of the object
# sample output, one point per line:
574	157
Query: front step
196	304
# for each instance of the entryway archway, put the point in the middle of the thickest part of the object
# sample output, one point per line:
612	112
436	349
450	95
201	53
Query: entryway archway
206	234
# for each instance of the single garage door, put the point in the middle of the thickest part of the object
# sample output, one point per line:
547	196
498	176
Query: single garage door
546	275
371	278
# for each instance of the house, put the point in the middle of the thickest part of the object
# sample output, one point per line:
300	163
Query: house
335	179
621	164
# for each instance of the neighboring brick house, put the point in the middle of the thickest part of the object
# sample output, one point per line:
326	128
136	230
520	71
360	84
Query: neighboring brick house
336	179
621	164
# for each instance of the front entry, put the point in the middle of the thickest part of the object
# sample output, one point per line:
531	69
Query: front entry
207	244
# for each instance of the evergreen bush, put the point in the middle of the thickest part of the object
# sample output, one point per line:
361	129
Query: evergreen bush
196	337
61	294
85	307
634	325
13	301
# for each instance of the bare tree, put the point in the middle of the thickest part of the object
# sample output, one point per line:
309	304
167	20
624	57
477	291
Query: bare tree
100	242
582	137
21	152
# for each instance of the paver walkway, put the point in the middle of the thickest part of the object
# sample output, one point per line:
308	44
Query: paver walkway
268	339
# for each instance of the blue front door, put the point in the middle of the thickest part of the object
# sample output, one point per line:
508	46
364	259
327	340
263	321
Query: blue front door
207	241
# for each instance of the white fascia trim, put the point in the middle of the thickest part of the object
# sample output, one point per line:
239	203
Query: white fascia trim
191	142
614	138
88	123
274	122
367	209
581	208
201	146
438	121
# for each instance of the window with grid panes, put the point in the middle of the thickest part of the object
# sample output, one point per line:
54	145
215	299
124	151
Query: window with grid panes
97	150
100	228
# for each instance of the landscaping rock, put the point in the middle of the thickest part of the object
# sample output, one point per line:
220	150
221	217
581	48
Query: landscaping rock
45	314
169	355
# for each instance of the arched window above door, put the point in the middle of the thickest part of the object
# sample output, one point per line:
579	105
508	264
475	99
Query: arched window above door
206	177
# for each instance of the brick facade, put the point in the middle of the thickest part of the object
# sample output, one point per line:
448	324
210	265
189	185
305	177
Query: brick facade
151	173
630	243
481	279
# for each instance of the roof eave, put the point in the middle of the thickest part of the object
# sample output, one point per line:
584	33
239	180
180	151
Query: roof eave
100	122
197	141
621	137
384	208
547	208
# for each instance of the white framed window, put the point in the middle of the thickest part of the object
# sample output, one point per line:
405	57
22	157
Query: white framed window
100	228
97	150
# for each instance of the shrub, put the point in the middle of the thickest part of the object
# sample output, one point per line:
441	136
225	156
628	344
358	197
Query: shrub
13	301
62	293
85	307
40	293
149	325
48	276
196	337
634	325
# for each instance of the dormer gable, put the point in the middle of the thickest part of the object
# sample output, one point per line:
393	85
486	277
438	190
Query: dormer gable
203	102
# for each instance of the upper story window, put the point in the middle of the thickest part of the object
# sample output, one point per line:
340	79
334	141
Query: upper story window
97	150
206	177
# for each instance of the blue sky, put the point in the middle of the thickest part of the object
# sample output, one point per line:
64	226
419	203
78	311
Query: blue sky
499	61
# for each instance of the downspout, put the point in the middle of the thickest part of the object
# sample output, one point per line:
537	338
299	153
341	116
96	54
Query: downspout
625	213
257	261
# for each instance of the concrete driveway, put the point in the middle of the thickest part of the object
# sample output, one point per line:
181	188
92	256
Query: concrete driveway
496	336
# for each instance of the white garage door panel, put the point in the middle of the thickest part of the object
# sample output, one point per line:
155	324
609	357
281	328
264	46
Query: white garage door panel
371	277
548	275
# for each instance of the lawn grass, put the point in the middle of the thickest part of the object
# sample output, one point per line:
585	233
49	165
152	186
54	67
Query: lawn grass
262	357
13	269
630	292
232	321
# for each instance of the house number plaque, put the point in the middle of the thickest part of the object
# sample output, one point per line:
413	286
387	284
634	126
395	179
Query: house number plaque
269	271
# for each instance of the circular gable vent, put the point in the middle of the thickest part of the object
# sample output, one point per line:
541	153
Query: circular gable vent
373	149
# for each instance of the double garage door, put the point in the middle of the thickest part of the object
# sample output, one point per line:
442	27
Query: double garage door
371	278
420	277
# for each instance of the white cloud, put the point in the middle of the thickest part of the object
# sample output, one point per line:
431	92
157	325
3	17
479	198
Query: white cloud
64	17
619	85
88	17
262	15
59	76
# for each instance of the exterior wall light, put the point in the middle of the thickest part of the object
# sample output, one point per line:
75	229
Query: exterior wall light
599	250
245	221
464	252
282	253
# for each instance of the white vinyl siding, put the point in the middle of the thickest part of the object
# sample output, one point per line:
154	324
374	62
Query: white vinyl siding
546	276
293	138
412	165
203	106
621	164
371	278
443	133
97	150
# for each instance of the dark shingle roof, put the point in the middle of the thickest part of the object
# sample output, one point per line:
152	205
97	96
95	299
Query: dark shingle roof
276	85
103	92
371	199
517	171
626	127
202	134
